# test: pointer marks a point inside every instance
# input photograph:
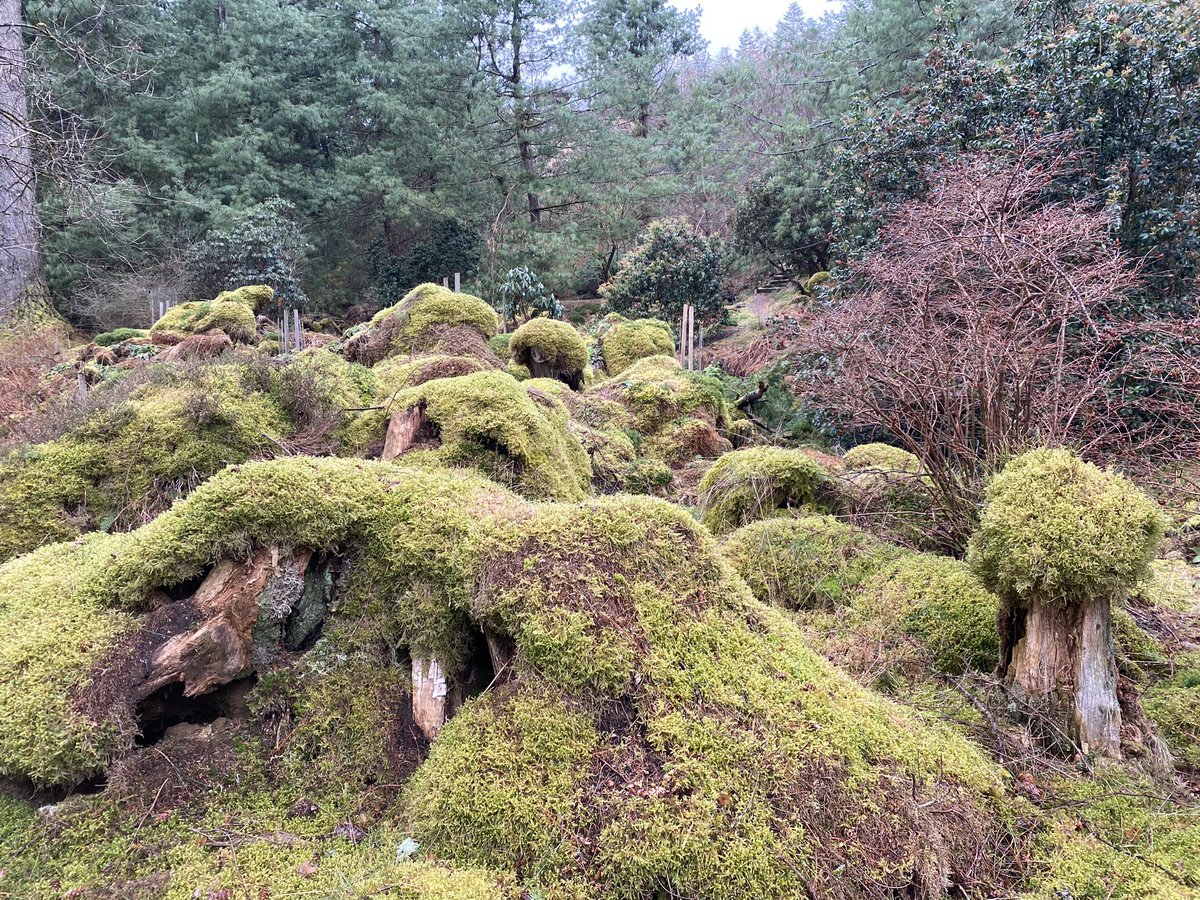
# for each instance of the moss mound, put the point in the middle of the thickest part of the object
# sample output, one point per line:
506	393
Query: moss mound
429	318
231	313
881	456
549	348
750	484
656	392
129	461
116	336
1059	528
653	724
518	437
1172	705
806	562
623	342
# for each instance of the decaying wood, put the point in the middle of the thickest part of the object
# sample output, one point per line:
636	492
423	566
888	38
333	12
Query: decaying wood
1061	659
430	689
404	429
753	397
219	650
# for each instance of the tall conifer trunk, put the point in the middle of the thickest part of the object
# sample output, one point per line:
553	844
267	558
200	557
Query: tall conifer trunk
20	257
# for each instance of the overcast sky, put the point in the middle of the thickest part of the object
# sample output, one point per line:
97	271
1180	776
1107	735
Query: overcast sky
723	21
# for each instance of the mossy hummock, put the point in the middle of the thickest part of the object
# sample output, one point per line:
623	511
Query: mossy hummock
758	482
650	725
231	313
550	349
430	318
623	342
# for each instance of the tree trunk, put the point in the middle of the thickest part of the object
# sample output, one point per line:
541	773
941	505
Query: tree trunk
1061	659
20	258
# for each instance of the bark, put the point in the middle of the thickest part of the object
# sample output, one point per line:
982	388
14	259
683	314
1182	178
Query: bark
20	257
1060	658
430	691
406	427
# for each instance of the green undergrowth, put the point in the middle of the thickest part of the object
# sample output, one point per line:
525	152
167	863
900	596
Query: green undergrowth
881	456
128	461
1173	704
1116	837
756	482
654	726
876	609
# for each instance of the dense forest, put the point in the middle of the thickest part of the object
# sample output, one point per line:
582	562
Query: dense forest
513	450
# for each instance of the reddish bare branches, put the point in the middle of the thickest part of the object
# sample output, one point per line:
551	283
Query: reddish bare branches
991	320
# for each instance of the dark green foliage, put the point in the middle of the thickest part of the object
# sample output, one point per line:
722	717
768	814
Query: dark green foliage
521	296
436	252
673	265
264	246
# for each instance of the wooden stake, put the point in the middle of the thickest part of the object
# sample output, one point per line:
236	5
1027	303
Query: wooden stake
298	331
457	282
446	282
82	386
283	341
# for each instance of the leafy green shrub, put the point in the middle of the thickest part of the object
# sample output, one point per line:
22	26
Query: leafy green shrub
523	296
744	485
1060	529
673	265
266	245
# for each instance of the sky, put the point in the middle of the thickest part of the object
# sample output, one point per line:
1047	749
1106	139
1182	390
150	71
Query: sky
723	21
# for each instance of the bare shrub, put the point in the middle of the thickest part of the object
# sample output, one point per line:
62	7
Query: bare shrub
130	299
994	318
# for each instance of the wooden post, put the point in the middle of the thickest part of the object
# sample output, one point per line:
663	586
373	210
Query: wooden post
298	330
82	385
283	339
446	282
700	354
691	333
457	282
683	336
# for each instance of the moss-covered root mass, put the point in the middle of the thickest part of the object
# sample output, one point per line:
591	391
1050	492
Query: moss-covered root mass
623	342
430	318
655	728
550	349
758	482
516	434
231	313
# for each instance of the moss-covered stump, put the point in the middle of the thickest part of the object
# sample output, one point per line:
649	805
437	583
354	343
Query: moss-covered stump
646	724
1060	541
881	456
550	349
758	482
518	436
656	392
623	342
430	319
231	313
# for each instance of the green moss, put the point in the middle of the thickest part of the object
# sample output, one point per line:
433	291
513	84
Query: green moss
548	342
398	372
1170	584
1116	838
1172	705
127	462
499	345
816	280
750	484
231	312
811	561
938	602
255	296
317	387
1061	529
882	456
510	774
489	421
116	336
624	342
429	305
1134	647
655	392
683	441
